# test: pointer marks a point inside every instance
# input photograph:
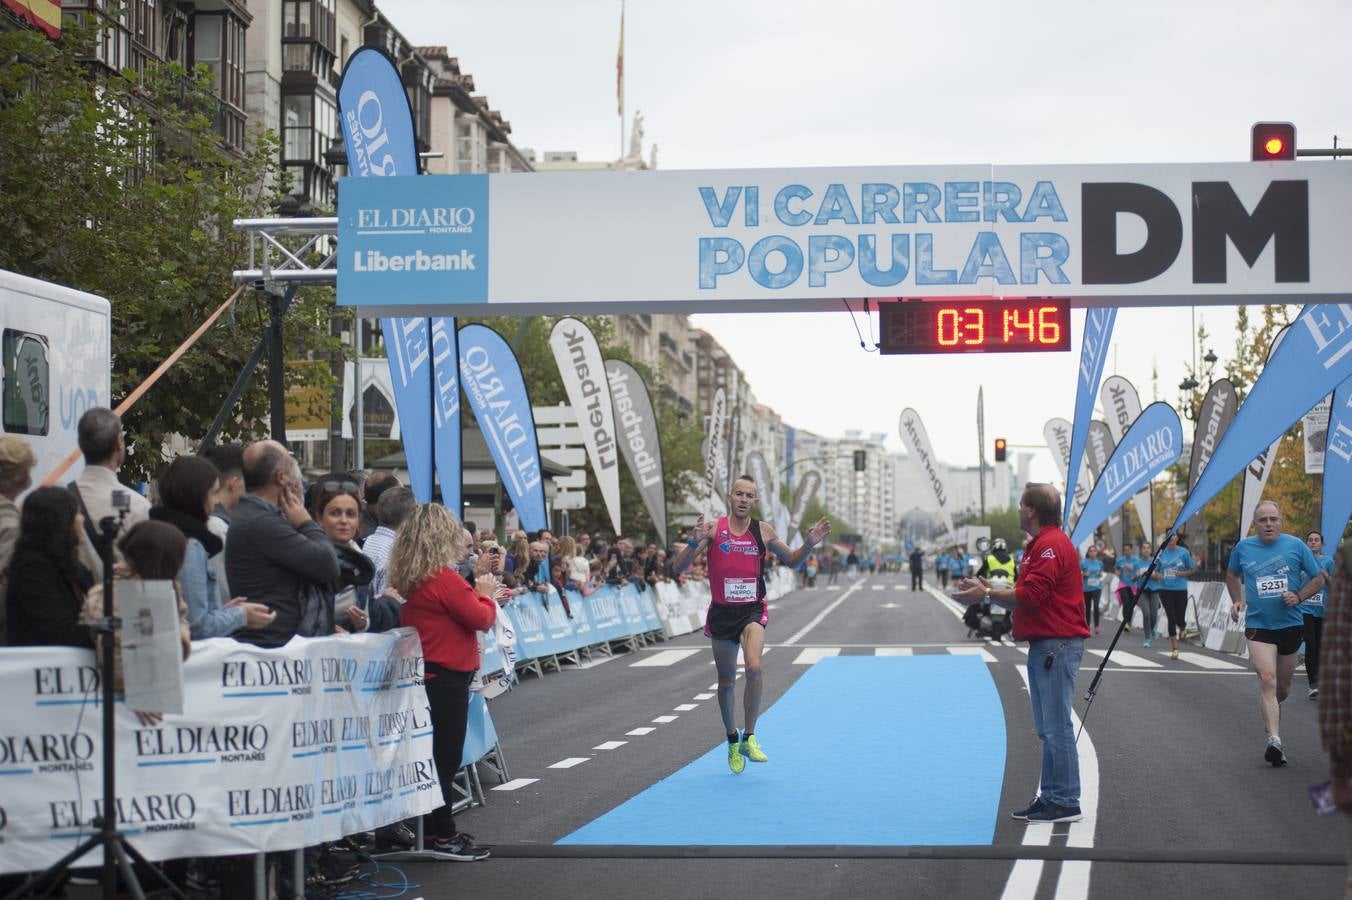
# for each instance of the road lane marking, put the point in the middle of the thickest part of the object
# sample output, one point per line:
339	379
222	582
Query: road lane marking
1207	662
662	720
824	613
686	707
968	650
893	651
640	732
570	762
515	784
879	587
947	602
810	655
706	696
1128	660
665	657
610	745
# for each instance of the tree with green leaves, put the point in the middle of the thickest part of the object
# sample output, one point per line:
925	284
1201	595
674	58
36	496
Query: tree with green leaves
119	186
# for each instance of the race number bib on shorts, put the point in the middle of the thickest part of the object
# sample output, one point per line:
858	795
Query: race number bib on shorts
739	590
1271	585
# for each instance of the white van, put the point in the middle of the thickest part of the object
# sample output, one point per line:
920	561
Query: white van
56	352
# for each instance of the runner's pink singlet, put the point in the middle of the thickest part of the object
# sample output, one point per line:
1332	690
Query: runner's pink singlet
734	566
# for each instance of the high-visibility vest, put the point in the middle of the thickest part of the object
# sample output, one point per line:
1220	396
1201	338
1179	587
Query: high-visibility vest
995	568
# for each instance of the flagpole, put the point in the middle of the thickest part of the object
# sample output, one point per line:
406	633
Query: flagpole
619	78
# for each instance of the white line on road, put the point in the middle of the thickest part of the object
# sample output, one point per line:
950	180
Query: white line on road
1207	662
799	635
811	655
714	686
879	587
969	650
1129	660
515	784
947	602
640	732
662	720
706	696
570	762
893	651
686	707
665	657
610	745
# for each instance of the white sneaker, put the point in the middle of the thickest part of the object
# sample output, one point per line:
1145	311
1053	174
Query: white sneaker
1273	754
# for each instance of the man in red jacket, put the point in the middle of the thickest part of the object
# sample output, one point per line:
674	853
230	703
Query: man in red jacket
1048	606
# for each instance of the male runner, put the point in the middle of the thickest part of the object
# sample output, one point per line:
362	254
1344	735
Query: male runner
738	612
1269	576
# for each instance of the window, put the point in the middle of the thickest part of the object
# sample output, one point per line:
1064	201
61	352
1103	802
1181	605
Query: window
297	126
206	48
296	19
27	398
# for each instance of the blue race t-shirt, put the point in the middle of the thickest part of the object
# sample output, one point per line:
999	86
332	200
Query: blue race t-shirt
1269	571
1171	563
1126	570
1315	605
1092	572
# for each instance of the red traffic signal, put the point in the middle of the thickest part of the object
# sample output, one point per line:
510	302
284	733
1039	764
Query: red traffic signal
999	449
1273	140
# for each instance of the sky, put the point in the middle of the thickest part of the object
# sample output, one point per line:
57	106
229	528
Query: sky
727	84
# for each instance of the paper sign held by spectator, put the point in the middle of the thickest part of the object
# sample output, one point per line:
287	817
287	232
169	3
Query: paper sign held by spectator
152	655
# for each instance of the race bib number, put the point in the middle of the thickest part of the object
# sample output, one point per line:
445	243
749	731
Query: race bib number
739	590
1271	586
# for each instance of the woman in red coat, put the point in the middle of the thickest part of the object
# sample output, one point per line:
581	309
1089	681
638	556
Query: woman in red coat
446	612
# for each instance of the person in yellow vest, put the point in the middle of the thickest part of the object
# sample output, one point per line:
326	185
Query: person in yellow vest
998	564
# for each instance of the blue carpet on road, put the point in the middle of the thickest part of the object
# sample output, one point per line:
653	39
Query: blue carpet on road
863	750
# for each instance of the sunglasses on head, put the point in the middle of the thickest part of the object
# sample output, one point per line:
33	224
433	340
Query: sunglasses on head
337	487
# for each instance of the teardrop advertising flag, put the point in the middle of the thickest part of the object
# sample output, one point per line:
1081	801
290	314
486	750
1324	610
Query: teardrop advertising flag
760	472
638	434
1098	450
1152	443
492	381
584	380
446	448
715	460
377	124
1314	358
1213	418
1057	434
1258	470
807	489
1098	329
917	442
1121	406
1337	506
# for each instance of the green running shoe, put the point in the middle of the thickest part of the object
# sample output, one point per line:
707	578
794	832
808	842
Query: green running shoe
736	762
751	749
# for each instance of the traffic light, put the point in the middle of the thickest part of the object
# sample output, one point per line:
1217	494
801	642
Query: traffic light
1273	140
860	461
1000	449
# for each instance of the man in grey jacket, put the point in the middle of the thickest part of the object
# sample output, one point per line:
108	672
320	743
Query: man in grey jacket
275	550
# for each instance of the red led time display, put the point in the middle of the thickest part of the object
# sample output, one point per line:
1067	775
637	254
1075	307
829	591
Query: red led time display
974	326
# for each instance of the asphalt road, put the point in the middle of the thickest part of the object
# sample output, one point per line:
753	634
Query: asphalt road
1183	803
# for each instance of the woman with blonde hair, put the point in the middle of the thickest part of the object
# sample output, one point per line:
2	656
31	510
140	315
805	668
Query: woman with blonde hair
446	612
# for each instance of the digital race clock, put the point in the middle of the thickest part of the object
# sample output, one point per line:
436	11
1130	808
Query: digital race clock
974	326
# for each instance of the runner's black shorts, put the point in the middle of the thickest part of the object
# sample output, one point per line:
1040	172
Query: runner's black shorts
1287	639
726	621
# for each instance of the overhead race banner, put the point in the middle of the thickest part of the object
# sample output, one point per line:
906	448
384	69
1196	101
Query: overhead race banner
1099	449
1121	406
639	438
584	378
1098	330
918	445
1213	418
715	454
277	750
492	381
1313	358
1057	434
1258	471
446	448
1337	505
377	124
744	240
802	498
1153	443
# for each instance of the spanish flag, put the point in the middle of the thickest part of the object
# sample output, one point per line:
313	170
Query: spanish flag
44	14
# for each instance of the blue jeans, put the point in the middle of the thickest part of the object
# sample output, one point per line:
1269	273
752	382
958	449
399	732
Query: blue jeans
1051	692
